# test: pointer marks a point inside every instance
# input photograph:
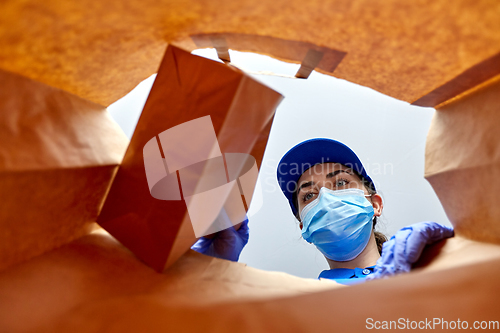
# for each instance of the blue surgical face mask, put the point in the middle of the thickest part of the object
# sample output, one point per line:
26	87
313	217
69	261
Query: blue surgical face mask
338	222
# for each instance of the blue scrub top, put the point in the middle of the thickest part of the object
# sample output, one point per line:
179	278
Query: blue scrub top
346	275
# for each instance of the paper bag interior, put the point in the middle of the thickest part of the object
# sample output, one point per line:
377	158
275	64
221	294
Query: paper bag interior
62	158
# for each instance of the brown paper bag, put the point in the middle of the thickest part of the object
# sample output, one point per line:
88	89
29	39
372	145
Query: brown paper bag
462	161
198	144
58	155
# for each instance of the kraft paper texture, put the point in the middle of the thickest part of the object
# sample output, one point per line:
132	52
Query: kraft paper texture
404	49
462	161
95	284
38	294
64	164
58	155
187	87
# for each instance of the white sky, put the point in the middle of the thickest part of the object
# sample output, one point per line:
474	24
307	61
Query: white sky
388	136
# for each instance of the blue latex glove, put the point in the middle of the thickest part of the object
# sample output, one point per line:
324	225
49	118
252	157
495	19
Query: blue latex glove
226	244
406	246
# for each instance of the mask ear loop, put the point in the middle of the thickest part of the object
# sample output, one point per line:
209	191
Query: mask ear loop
370	196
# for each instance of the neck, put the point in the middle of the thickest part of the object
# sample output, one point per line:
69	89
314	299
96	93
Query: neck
367	258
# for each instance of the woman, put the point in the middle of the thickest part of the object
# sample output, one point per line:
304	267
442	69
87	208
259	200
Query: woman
337	206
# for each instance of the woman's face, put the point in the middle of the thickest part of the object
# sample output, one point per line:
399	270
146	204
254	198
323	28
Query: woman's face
333	176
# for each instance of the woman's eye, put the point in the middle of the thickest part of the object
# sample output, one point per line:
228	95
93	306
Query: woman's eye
308	196
341	182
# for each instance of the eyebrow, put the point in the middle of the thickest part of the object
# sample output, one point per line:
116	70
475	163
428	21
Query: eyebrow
306	184
330	175
334	173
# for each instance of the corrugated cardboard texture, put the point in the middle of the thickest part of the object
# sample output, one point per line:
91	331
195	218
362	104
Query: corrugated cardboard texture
100	51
